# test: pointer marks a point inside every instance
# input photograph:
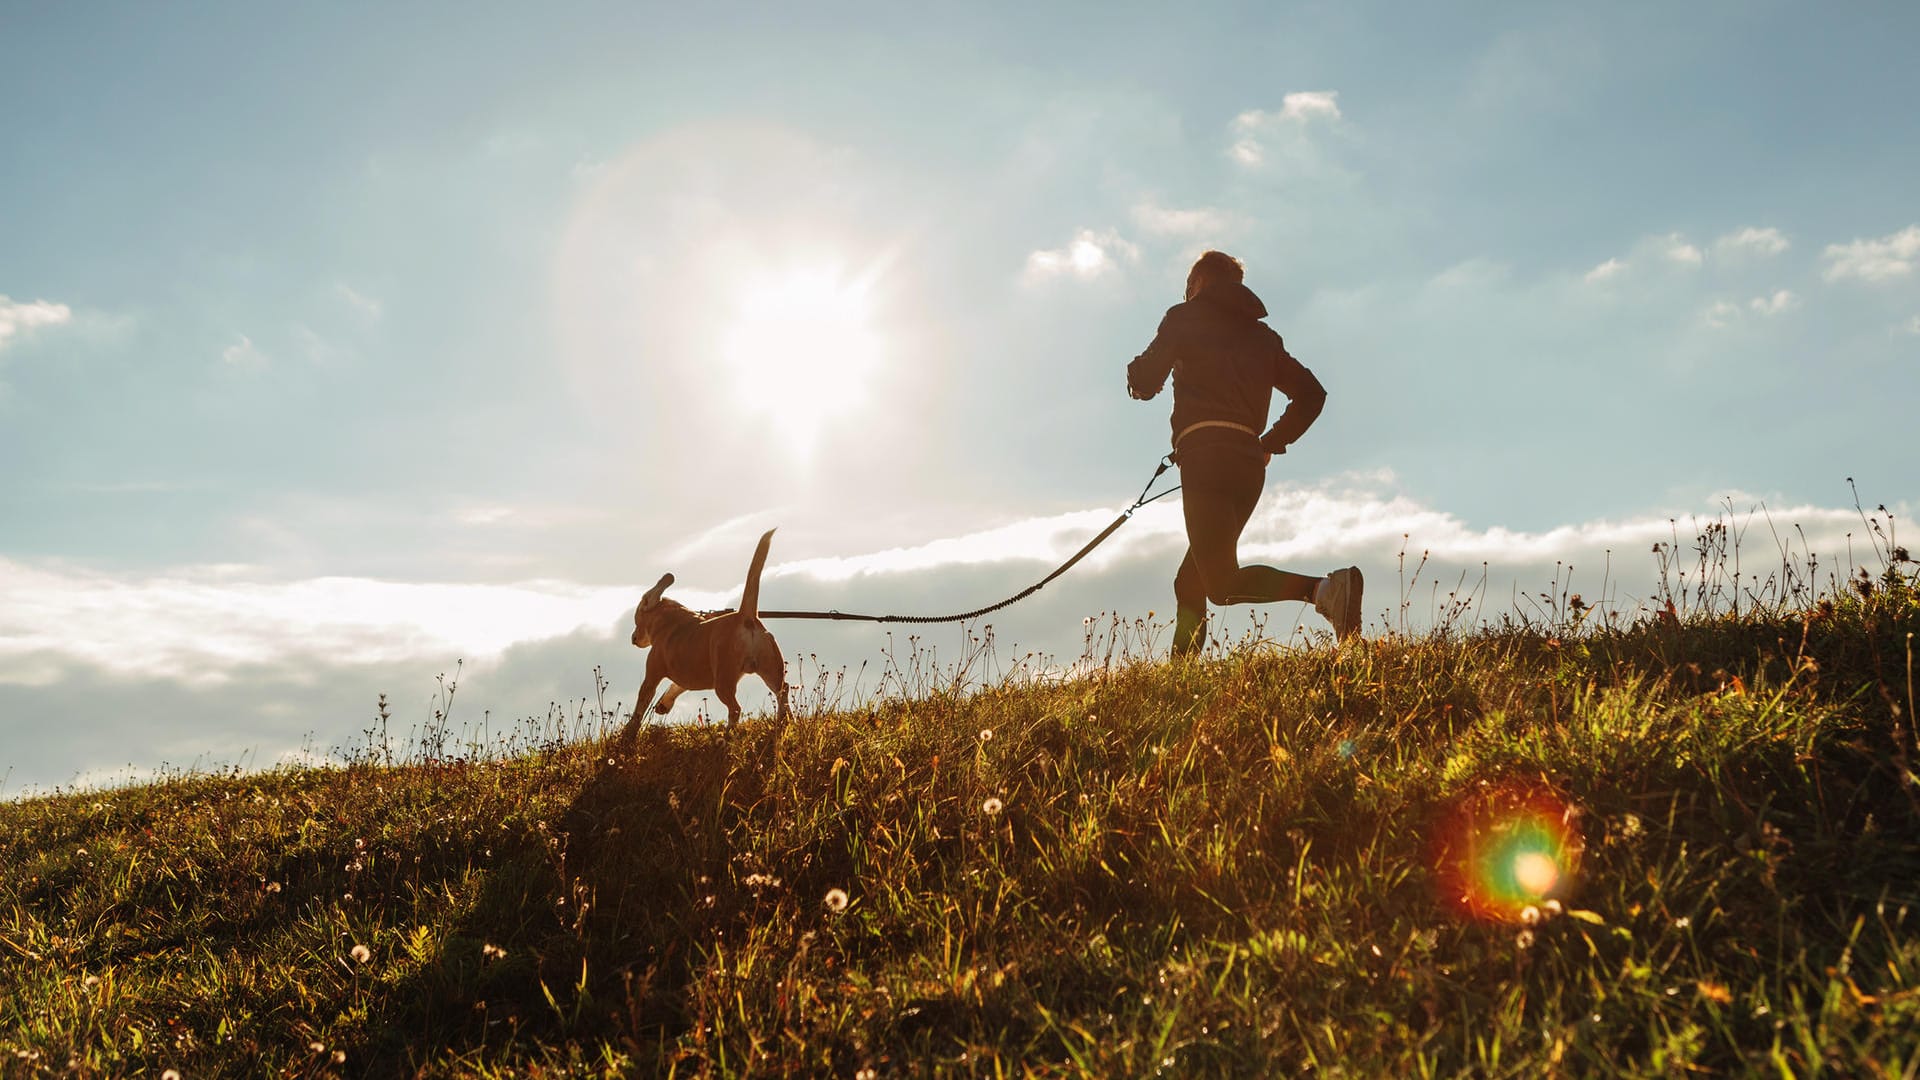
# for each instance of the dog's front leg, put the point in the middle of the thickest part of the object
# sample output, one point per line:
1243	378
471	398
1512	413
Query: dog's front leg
647	686
665	704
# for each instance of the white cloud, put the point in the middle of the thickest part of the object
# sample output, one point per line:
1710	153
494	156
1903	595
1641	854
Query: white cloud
1751	241
197	624
17	316
243	354
361	302
1255	129
1889	257
1202	222
217	659
1306	104
1720	313
1609	269
1677	249
1723	313
1088	255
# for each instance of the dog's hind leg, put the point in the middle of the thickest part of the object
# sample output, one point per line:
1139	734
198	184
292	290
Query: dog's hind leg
778	684
729	696
766	662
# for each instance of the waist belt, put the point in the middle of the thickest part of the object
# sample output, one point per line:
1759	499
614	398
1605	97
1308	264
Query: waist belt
1191	428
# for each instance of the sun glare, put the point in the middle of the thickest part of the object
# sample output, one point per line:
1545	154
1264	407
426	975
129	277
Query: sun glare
801	347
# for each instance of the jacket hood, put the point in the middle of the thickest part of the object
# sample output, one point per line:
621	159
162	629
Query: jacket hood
1236	298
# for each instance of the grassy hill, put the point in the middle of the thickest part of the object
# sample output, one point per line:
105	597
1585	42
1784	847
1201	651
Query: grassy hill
1688	844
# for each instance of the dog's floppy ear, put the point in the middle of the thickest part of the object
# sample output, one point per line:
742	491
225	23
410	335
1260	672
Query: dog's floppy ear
652	596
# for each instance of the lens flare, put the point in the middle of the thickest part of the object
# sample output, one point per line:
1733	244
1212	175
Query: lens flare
1506	848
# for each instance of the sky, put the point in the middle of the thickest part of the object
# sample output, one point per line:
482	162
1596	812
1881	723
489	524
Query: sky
347	347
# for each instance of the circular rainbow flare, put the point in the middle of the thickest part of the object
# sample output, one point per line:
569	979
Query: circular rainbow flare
1505	848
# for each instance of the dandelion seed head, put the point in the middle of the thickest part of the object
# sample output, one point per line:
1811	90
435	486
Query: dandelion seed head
339	1057
170	1074
836	900
991	807
986	734
361	954
1525	939
1530	916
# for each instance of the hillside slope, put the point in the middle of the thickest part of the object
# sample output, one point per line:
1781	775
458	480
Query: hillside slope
1688	844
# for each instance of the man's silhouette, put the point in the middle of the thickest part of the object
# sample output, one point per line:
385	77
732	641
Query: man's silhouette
1226	364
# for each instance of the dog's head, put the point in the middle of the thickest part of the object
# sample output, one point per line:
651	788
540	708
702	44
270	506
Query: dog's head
651	605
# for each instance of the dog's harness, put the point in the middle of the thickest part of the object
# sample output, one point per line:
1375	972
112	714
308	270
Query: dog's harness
1143	500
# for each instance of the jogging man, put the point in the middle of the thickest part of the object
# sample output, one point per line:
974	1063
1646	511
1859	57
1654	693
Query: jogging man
1226	364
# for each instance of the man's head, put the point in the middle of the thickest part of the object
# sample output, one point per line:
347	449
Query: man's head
1213	269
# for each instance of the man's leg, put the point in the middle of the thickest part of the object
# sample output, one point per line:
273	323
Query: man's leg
1190	608
1219	501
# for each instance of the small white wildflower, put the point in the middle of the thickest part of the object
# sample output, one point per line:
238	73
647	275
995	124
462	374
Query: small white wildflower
756	881
318	1048
272	886
1682	923
986	734
170	1074
991	807
361	954
1530	916
339	1057
90	981
1525	940
1552	908
493	952
836	900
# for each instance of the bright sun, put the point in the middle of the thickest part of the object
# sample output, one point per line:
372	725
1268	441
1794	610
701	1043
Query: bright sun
801	346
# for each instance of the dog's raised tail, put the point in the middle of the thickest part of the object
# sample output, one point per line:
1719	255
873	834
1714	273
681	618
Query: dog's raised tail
750	599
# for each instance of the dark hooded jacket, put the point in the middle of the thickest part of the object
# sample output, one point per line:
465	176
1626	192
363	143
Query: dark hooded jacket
1226	364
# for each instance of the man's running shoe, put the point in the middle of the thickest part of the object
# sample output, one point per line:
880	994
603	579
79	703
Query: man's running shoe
1339	601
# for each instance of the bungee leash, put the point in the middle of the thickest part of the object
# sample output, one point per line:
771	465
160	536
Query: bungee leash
850	616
